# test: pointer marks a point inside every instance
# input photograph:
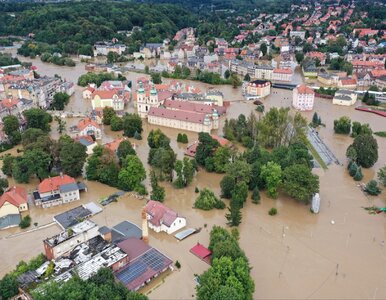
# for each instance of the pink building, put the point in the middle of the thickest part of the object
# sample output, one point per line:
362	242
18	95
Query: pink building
303	98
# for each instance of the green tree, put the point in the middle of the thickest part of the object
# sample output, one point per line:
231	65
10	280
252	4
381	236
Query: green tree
132	173
300	183
227	185
299	56
264	49
185	172
31	135
234	215
353	169
132	123
221	158
72	158
227	74
124	149
9	287
60	101
239	170
381	175
240	193
351	153
247	77
156	78
3	185
372	188
235	80
157	139
38	118
358	175
116	123
61	124
8	160
343	125
207	200
158	192
108	114
271	173
11	127
366	147
255	195
163	159
206	147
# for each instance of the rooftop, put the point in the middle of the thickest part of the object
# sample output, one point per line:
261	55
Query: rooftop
160	213
65	235
54	183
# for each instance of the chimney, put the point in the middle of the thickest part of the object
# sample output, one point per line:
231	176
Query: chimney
145	233
61	175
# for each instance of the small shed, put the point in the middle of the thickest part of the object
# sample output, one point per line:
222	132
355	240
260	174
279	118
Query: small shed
202	253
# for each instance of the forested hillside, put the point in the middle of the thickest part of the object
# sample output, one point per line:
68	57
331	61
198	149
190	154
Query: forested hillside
71	25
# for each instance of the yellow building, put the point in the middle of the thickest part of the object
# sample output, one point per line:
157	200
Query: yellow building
12	203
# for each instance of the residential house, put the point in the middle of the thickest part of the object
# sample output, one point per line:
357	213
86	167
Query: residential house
89	127
12	203
303	98
57	190
315	55
162	218
109	98
309	69
347	83
295	33
103	48
344	97
88	142
150	50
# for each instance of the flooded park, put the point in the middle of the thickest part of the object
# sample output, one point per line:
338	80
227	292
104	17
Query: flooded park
338	253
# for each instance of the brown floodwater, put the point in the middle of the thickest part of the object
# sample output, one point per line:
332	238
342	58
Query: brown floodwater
294	254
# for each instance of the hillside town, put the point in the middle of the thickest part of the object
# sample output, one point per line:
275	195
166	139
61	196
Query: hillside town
221	157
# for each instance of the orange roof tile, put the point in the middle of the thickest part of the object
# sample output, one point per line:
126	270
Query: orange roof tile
53	183
303	89
16	195
104	94
85	122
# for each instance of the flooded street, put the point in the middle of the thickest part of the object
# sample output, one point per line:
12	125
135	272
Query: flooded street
294	254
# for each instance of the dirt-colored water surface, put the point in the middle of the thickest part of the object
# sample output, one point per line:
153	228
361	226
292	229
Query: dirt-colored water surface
338	253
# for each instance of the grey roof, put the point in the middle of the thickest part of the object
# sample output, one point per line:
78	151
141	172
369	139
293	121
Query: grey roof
345	92
81	186
125	230
343	97
72	217
68	187
104	229
85	142
10	221
27	278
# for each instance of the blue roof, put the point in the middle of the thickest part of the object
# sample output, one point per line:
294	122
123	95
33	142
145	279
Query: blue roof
69	187
10	221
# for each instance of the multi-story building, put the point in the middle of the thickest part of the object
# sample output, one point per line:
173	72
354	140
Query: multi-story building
12	203
146	99
263	72
115	99
162	218
257	89
57	190
282	75
103	48
62	243
303	98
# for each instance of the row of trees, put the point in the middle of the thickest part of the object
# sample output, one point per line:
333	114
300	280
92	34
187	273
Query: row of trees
97	78
43	157
344	126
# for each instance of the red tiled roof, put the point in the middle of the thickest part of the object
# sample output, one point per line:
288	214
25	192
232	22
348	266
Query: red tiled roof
193	107
378	73
16	195
113	146
160	213
303	89
361	63
200	251
53	183
104	94
133	247
85	122
349	81
282	71
177	114
192	149
316	54
9	103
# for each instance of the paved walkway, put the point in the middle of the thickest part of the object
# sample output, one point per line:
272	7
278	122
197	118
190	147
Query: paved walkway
324	152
